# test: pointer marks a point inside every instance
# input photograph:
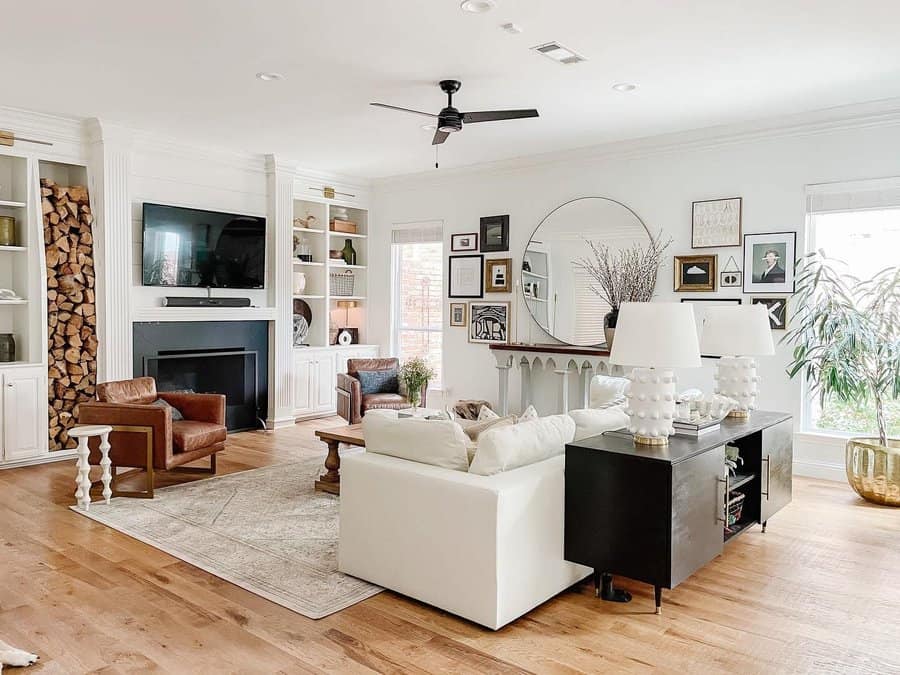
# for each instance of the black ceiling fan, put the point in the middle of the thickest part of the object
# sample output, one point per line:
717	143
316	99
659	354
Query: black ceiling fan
450	119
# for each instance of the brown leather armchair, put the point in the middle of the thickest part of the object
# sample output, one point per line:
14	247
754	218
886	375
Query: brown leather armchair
145	436
352	404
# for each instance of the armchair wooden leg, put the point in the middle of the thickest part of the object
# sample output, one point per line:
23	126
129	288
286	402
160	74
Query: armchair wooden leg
191	469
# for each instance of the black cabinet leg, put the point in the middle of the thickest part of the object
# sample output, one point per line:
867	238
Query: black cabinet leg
608	592
765	522
657	596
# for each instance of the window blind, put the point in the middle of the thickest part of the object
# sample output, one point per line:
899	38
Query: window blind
883	193
418	233
590	310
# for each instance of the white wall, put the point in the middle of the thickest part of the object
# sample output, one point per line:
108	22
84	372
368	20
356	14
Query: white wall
769	169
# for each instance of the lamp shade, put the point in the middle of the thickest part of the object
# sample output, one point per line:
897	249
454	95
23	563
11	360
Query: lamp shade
741	330
656	335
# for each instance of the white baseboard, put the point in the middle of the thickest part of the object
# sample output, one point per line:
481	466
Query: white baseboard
823	470
279	422
55	456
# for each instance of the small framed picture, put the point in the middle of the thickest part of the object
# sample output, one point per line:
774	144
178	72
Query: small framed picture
716	223
731	279
497	275
769	262
489	322
494	234
531	289
466	276
777	309
695	272
458	314
464	242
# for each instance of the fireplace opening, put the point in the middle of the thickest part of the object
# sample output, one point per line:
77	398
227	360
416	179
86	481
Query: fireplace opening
232	371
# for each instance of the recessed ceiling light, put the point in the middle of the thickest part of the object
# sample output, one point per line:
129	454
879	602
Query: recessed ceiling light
269	77
624	87
477	6
558	53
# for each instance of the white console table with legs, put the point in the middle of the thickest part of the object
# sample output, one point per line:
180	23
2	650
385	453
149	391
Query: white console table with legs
564	360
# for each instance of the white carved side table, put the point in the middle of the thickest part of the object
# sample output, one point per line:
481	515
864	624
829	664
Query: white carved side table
83	479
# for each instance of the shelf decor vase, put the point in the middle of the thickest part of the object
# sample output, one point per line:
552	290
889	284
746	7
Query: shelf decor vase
7	231
299	283
7	348
873	470
348	252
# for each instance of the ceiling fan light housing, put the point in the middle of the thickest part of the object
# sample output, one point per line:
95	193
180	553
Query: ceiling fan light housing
477	6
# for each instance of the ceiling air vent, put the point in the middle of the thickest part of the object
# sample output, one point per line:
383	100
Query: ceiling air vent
558	53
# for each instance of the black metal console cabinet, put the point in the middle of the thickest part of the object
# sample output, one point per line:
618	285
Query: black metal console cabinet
659	513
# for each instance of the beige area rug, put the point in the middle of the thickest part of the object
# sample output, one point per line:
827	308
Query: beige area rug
266	530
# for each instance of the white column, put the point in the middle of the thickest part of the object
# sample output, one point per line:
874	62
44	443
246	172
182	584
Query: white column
563	389
109	168
587	374
280	184
503	376
525	393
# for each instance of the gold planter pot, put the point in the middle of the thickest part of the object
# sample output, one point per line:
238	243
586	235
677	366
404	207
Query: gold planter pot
873	470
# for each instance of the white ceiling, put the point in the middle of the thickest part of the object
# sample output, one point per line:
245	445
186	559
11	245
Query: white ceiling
185	68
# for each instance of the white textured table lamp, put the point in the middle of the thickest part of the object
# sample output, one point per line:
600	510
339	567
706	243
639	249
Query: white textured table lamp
655	337
737	334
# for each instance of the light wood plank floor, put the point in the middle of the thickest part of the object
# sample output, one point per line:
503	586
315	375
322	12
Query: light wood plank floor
818	593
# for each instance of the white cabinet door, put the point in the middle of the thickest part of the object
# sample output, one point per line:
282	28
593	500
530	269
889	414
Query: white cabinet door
326	381
22	410
303	383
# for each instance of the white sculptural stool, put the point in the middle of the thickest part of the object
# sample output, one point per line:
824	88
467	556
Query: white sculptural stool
82	479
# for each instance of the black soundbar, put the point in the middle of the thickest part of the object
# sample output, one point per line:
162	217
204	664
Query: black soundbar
171	301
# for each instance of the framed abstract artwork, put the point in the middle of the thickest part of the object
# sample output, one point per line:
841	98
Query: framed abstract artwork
466	277
489	322
695	272
457	314
464	242
494	234
716	223
777	309
497	275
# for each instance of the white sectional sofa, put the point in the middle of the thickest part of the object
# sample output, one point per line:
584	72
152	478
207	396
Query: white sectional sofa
418	519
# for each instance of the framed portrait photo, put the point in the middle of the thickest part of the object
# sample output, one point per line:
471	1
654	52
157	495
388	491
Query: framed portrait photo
695	272
464	242
489	322
458	314
497	273
494	234
466	278
777	309
769	262
716	223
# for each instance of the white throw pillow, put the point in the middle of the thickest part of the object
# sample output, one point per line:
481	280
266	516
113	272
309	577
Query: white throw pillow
510	447
436	442
607	391
486	413
590	422
529	414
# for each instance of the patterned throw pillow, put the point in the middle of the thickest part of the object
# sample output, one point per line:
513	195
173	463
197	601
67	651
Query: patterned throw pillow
378	381
529	414
487	414
176	413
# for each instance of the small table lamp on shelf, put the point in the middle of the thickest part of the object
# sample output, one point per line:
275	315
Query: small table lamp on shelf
345	336
737	334
657	336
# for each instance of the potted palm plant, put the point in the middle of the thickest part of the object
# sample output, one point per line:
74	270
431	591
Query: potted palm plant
623	275
846	338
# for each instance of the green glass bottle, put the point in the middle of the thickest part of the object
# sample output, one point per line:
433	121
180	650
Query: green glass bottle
349	252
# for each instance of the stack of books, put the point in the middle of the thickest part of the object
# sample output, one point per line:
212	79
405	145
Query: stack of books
695	429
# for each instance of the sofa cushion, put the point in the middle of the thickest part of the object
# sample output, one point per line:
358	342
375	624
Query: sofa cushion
607	391
510	447
486	413
188	435
475	429
530	413
378	381
436	442
176	413
590	422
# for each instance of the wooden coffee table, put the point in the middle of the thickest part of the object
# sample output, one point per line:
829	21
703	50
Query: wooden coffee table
351	434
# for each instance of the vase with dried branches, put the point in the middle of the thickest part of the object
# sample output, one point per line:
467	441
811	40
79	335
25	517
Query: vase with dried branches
623	275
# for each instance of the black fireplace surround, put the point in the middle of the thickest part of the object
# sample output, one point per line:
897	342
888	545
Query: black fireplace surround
210	357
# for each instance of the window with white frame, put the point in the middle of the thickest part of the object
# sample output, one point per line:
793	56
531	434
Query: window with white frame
417	264
858	223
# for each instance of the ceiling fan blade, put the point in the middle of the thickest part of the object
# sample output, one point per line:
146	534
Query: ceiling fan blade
439	137
496	115
394	107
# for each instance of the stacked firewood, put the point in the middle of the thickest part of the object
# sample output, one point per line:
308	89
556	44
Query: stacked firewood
71	305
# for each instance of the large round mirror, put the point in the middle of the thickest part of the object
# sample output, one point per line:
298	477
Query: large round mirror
558	291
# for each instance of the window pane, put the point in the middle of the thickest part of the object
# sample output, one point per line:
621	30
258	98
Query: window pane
419	302
868	242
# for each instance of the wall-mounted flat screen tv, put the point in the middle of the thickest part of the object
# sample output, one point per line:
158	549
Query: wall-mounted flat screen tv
203	249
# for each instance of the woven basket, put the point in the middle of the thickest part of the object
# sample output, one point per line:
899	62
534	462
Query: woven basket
342	283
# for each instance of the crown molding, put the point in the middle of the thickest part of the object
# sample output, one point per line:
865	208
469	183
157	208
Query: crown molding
881	113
